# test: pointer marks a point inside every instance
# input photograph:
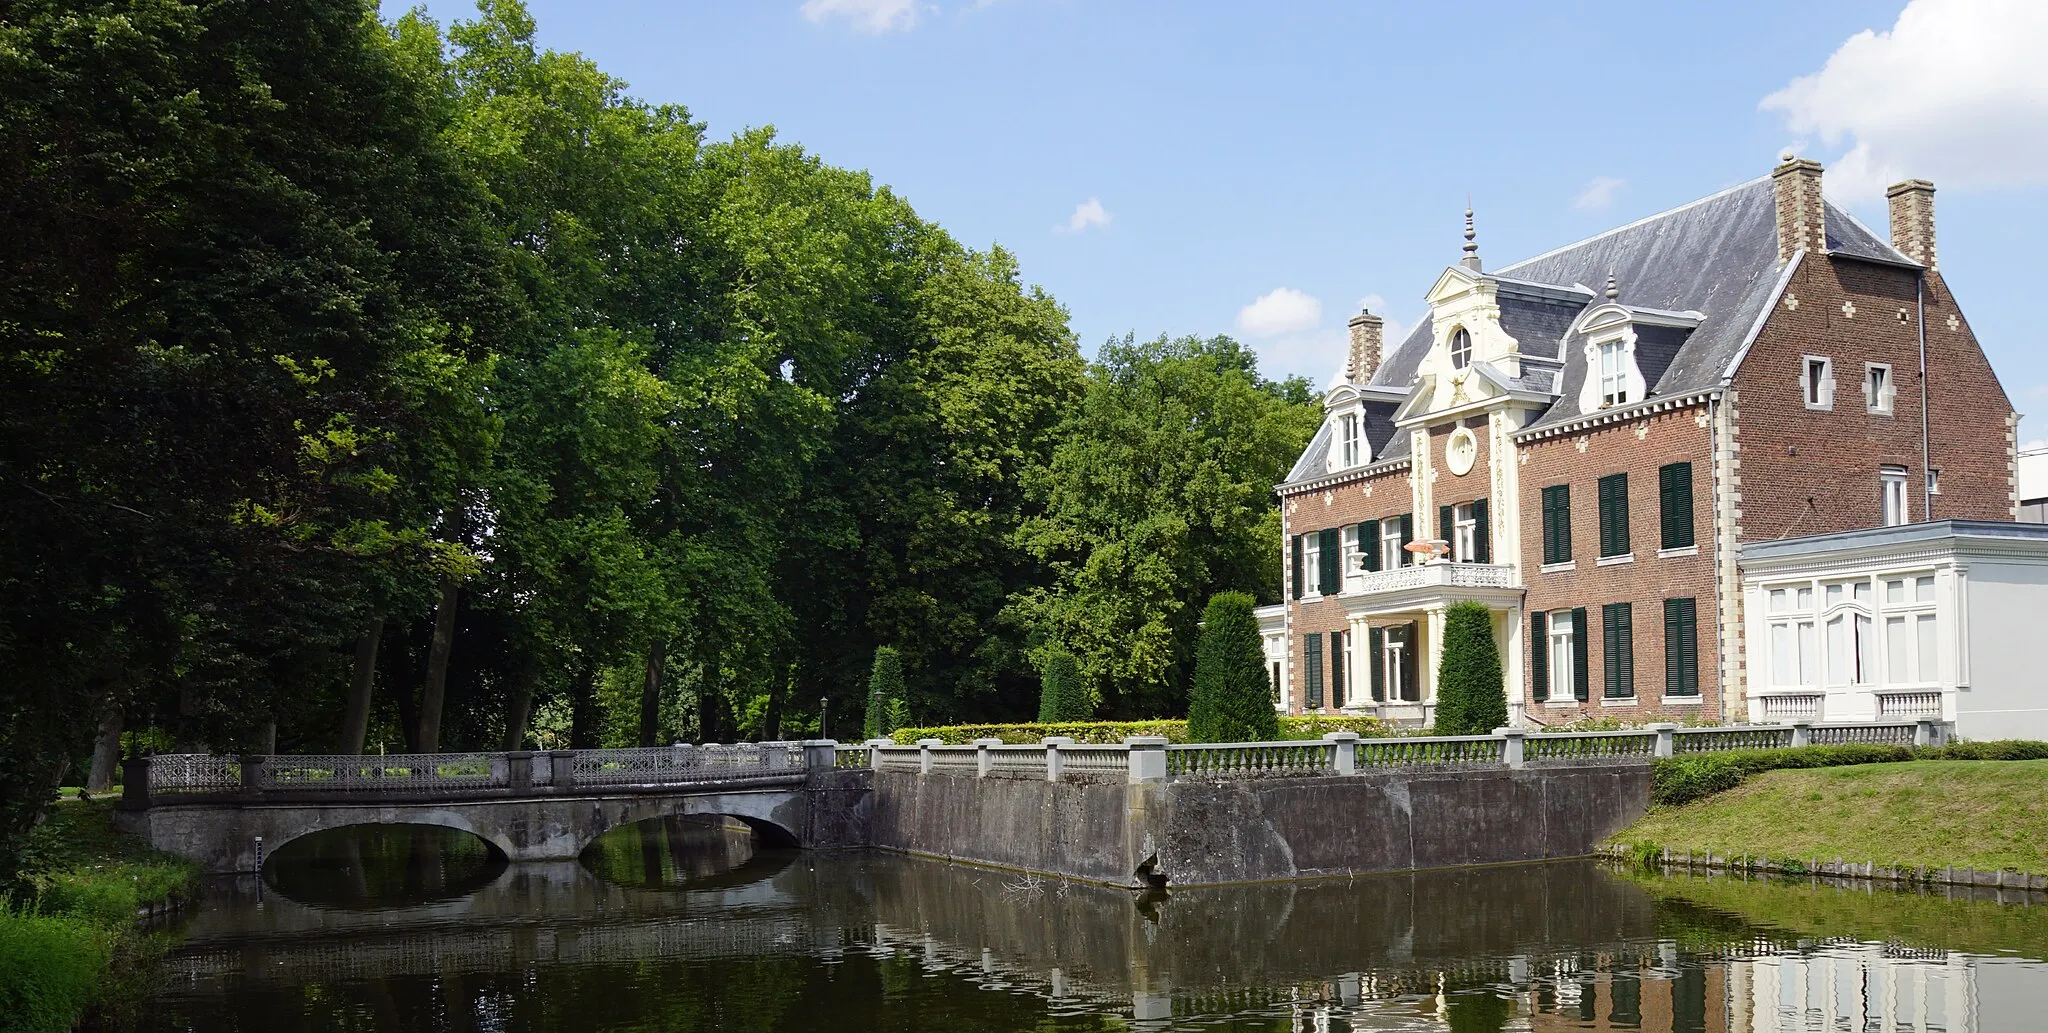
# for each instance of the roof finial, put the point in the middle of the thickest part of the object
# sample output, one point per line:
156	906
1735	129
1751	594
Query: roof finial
1471	259
1613	288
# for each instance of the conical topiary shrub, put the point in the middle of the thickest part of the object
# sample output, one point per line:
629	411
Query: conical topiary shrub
886	705
1230	700
1061	697
1470	696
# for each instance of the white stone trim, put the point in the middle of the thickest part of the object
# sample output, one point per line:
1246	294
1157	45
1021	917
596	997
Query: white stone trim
1559	568
1672	554
1615	561
1619	414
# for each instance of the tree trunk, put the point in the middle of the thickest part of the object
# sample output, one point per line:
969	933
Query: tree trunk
435	690
650	696
519	709
584	717
266	737
106	752
355	720
771	718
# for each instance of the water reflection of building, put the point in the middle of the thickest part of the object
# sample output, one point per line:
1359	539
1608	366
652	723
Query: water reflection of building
1860	987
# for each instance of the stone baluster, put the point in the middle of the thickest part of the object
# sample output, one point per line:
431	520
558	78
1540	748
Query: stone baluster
1666	738
1054	766
875	752
984	761
1343	751
1514	747
1147	758
924	754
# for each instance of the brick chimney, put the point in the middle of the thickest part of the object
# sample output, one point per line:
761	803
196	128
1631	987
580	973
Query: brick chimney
1913	219
1366	329
1802	218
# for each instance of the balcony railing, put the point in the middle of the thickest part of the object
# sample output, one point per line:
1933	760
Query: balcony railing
1434	575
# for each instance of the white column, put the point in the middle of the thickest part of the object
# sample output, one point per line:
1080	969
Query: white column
1512	650
1435	653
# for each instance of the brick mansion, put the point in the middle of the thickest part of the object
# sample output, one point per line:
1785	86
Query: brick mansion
1585	440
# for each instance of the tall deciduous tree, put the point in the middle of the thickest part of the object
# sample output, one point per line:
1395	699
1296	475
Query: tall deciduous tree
1159	494
1231	700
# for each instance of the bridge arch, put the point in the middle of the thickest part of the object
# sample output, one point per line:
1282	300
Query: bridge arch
284	831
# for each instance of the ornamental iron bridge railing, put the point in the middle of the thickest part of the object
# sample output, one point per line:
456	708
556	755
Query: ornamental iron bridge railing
169	778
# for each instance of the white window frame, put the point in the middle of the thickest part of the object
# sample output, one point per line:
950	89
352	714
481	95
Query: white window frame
1879	390
1347	428
1894	505
1393	673
1613	371
1860	639
1564	675
1392	551
1915	612
1792	636
1464	534
1460	347
1817	393
1350	545
1312	566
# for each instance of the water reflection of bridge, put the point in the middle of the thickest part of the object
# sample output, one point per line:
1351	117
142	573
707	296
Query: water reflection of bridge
1569	946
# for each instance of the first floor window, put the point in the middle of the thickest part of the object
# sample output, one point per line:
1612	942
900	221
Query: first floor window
1563	655
1892	488
1614	515
1392	542
1352	546
1618	650
1817	382
1557	524
1397	661
1273	686
1852	650
1877	388
1464	534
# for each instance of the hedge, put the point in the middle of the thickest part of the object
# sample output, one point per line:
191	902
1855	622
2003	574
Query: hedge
1681	780
1175	730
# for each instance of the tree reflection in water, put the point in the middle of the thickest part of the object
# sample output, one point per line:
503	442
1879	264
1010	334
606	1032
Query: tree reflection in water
676	850
384	866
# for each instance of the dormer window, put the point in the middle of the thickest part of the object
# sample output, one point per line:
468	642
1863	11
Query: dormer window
1613	373
1461	348
1348	436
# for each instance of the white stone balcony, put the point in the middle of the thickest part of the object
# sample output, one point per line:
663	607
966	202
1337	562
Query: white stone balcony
1434	575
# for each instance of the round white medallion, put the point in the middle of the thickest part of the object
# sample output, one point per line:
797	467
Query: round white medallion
1461	451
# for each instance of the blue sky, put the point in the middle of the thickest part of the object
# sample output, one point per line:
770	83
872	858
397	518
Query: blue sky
1261	169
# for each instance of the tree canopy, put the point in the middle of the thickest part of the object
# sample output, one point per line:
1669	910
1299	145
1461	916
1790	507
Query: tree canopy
396	384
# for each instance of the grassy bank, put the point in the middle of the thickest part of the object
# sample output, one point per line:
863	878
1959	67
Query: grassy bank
69	938
1986	815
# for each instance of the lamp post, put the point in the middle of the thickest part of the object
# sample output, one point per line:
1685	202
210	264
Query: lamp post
824	718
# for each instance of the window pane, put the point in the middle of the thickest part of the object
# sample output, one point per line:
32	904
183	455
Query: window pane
1895	591
1778	596
1834	594
1895	666
1838	652
1866	651
1923	589
1781	654
1806	599
1809	655
1862	592
1928	652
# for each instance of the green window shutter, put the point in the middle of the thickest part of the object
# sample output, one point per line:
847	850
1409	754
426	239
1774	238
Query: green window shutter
1407	537
1330	560
1482	533
1297	566
1557	523
1312	670
1411	664
1337	668
1681	648
1614	514
1376	648
1674	503
1446	521
1582	679
1617	648
1369	543
1539	655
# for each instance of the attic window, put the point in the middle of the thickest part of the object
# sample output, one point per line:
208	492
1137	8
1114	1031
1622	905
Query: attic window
1613	374
1348	423
1461	348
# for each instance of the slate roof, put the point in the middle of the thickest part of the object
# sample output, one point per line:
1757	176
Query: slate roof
1717	256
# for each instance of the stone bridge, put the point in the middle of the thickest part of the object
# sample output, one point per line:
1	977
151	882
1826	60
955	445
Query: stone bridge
228	813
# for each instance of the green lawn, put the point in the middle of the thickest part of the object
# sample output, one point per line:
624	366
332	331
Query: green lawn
1971	814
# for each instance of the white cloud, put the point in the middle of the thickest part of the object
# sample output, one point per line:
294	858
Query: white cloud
1087	214
1956	91
1598	192
873	16
1282	310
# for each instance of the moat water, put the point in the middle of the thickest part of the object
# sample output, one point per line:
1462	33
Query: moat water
670	926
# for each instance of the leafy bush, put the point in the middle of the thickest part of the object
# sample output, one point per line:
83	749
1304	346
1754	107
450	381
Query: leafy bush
50	970
1061	696
1471	697
1997	749
1111	732
109	895
886	702
1231	701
